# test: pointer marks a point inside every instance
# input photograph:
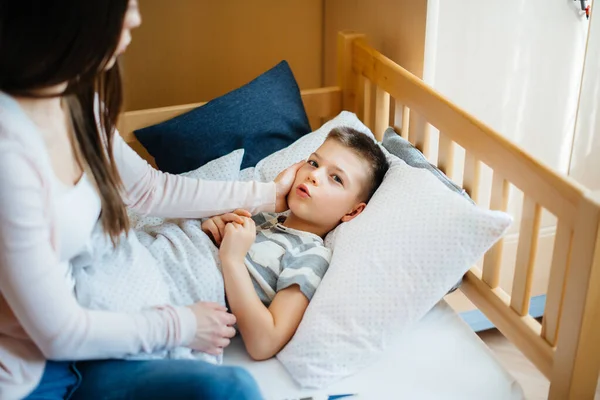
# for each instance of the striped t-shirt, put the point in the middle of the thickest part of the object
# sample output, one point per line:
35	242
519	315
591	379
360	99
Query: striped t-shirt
281	257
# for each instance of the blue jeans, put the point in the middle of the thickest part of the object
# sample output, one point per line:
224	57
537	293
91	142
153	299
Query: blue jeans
156	379
59	381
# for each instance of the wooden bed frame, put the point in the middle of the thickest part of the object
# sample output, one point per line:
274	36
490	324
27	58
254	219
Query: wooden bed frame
565	346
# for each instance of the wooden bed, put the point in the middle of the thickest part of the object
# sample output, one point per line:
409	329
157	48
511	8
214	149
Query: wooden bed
565	346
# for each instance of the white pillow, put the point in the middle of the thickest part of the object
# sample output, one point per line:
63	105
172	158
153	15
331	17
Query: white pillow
247	174
390	266
225	168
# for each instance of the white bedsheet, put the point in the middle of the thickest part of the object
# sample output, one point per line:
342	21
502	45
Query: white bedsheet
440	358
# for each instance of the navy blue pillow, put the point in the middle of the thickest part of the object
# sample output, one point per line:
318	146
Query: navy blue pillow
263	116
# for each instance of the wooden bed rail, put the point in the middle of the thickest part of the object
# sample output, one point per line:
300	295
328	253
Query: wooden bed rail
560	196
566	346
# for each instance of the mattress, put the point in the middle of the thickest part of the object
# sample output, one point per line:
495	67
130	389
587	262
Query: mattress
439	358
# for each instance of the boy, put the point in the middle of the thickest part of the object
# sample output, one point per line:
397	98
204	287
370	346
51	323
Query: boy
271	275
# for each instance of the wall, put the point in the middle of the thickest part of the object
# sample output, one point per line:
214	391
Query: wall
394	27
585	162
194	50
517	66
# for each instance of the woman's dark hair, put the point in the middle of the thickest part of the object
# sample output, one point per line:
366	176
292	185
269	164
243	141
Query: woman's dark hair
44	43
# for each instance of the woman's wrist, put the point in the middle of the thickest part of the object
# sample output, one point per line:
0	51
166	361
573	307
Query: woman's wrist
187	324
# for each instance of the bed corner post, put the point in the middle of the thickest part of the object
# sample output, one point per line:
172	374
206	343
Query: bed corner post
577	358
347	78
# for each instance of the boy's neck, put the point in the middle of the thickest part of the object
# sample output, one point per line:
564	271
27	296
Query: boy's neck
292	221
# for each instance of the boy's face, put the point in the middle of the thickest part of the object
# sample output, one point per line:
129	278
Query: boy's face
328	188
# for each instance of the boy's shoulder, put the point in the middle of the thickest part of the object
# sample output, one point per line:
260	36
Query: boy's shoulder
308	244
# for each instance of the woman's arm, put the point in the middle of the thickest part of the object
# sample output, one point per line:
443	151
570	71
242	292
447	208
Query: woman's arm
38	295
149	191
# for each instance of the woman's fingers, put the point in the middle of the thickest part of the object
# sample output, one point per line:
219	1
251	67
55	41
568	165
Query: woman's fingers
214	231
213	327
283	185
238	216
243	213
214	350
220	226
222	340
214	306
229	320
229	332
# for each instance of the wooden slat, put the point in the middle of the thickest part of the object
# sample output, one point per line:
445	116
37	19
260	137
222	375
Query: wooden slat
396	115
368	112
471	176
318	103
526	252
405	122
577	359
346	76
557	193
523	332
556	284
493	258
446	155
392	119
401	119
419	133
359	99
382	113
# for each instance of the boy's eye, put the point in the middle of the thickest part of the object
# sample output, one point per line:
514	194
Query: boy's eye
337	179
312	163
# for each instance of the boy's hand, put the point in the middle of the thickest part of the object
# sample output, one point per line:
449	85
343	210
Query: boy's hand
215	226
237	241
283	183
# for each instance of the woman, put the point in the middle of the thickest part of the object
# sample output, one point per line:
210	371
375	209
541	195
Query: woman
62	169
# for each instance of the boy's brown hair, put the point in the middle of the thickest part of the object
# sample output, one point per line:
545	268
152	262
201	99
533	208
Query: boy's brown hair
367	149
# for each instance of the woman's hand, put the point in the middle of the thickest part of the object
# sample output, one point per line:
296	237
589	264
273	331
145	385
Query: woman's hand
237	241
284	182
215	226
213	328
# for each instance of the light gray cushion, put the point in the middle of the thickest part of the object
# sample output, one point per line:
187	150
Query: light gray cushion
404	150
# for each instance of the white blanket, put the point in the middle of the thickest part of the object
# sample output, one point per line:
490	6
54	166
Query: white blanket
160	262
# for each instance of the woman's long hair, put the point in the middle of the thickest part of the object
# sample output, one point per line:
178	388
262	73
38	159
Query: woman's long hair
44	43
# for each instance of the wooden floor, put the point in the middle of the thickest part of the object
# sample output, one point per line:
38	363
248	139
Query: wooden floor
534	384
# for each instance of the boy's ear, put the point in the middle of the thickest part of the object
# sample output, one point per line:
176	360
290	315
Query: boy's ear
354	213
